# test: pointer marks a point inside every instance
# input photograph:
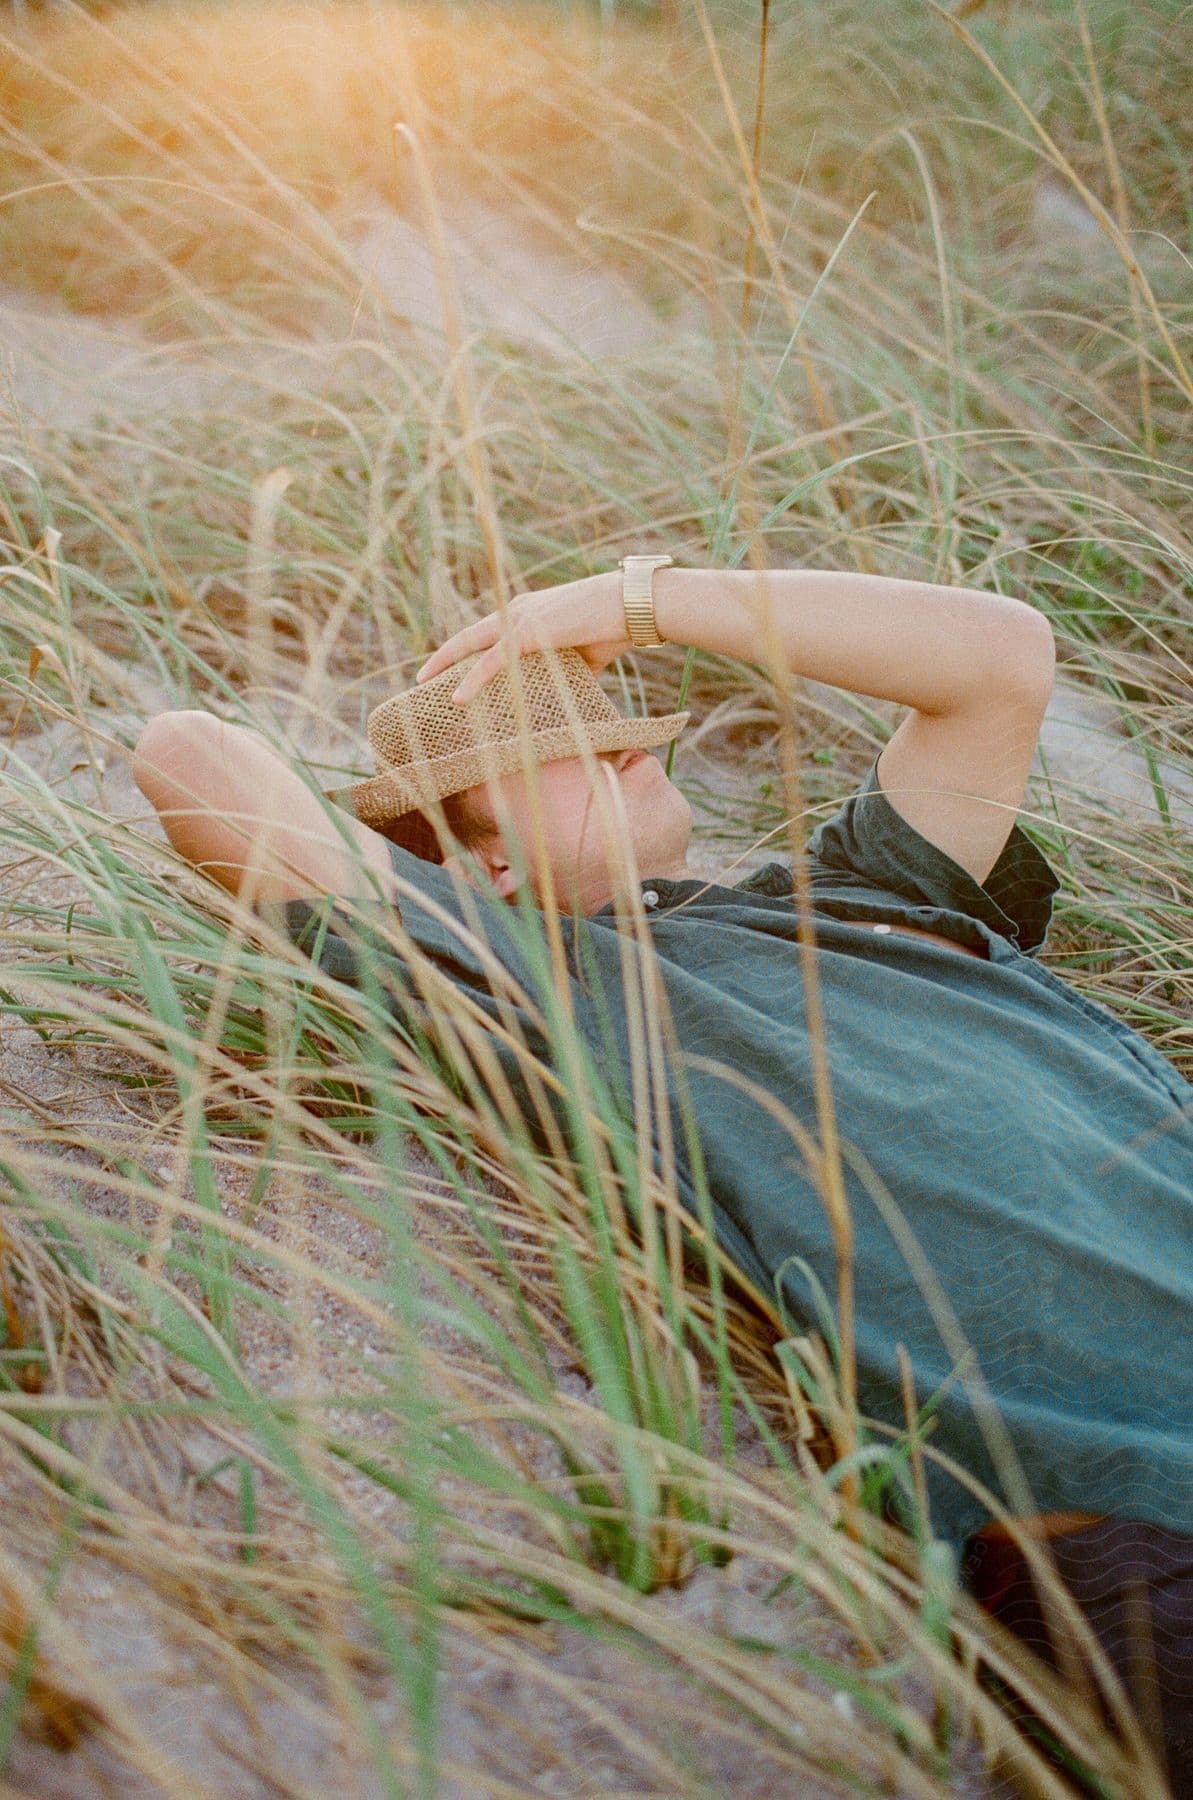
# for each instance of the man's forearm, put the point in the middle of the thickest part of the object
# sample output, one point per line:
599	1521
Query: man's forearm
236	809
936	649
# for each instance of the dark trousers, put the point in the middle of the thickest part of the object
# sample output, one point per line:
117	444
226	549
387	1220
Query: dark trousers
1121	1573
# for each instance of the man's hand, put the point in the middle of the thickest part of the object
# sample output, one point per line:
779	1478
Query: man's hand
585	615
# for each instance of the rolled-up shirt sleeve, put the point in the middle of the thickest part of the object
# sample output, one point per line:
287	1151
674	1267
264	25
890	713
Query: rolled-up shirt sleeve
868	843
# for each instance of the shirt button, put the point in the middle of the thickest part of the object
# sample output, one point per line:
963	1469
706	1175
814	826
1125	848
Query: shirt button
650	897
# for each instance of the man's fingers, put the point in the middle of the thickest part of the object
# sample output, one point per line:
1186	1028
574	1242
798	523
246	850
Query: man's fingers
525	631
479	673
444	657
525	636
461	643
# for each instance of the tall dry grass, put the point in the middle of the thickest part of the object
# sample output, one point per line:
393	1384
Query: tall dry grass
312	1358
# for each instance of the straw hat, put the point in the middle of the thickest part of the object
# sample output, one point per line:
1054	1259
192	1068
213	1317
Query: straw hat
426	748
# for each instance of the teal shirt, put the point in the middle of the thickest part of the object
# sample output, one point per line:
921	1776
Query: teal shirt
1038	1151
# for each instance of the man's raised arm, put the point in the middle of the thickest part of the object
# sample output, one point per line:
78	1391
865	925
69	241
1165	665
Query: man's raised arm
976	669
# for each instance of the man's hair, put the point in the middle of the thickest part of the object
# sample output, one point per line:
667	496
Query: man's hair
415	831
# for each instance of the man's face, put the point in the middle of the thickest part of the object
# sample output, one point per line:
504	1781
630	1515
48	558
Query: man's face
643	813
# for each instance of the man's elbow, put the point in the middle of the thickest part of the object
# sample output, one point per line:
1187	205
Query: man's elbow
1025	664
171	747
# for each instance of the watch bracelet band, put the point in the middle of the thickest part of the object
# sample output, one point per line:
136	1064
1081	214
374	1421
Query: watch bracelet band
637	596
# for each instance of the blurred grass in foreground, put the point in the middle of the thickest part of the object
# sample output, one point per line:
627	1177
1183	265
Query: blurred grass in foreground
360	1408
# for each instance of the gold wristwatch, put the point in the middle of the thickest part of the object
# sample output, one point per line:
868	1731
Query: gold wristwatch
637	597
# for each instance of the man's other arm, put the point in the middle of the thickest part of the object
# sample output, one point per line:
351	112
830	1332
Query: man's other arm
237	810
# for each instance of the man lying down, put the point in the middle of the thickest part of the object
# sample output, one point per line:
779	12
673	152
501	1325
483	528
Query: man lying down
1038	1150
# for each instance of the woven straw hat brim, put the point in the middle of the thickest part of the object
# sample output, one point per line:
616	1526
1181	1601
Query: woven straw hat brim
387	797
